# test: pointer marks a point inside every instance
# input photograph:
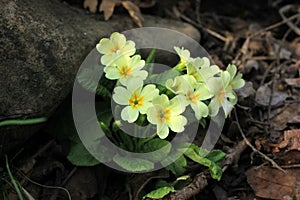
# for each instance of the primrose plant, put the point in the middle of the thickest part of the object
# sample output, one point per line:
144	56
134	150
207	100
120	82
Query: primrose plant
204	87
193	86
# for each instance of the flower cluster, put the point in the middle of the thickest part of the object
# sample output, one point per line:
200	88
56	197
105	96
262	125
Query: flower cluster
202	86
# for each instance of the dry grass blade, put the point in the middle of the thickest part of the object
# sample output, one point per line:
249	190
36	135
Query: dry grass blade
108	6
134	12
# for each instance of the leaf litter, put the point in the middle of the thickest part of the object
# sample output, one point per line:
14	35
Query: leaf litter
268	113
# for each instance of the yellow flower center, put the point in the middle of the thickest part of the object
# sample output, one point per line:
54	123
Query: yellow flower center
125	72
220	95
164	115
115	49
192	97
136	101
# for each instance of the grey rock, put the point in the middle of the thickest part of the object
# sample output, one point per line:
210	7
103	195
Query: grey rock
42	45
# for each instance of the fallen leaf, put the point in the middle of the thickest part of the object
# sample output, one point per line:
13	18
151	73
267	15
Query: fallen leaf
291	140
263	96
91	5
246	91
270	183
83	184
134	12
108	6
291	114
293	82
290	158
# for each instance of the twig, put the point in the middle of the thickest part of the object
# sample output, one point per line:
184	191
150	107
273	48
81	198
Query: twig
234	155
54	195
274	164
275	25
290	166
200	181
198	3
290	24
198	25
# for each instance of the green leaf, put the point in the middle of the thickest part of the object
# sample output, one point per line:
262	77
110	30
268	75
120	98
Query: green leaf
194	152
216	155
162	183
133	164
178	167
160	192
79	156
103	91
162	77
88	79
156	144
104	113
151	56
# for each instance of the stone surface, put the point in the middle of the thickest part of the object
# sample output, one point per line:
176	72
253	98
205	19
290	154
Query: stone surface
42	45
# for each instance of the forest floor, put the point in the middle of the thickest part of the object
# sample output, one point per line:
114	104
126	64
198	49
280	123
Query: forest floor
261	137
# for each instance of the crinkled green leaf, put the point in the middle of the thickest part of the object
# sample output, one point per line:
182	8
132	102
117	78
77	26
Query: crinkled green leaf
160	192
162	183
178	167
79	156
133	164
156	144
194	153
216	155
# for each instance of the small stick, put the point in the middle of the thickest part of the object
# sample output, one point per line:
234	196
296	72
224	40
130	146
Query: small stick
275	25
253	148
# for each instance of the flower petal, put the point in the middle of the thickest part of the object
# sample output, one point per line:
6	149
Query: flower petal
112	73
176	106
129	48
104	46
163	131
129	114
200	109
151	114
161	100
214	107
227	107
177	123
145	107
149	92
203	91
118	39
121	96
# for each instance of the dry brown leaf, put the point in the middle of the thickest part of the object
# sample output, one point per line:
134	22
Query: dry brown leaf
263	96
291	140
270	183
291	114
91	5
295	82
134	12
108	6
